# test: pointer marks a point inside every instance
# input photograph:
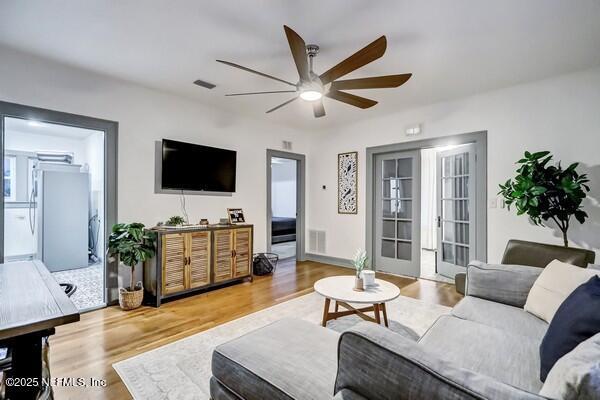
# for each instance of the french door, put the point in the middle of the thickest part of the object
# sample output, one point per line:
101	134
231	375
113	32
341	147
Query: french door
397	213
456	197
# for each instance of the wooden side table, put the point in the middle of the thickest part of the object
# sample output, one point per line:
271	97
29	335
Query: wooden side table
340	289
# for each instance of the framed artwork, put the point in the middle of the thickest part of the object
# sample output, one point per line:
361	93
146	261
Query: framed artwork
236	215
347	183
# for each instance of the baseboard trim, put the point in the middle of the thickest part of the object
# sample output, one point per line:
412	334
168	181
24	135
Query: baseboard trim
340	262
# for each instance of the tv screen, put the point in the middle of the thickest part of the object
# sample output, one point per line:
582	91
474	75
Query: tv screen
187	166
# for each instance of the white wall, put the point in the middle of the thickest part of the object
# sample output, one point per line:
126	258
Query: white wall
30	142
145	116
560	114
283	188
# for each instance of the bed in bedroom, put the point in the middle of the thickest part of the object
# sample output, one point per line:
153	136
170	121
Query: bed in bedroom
283	229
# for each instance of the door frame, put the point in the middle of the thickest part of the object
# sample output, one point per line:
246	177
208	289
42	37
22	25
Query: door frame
479	139
111	134
300	199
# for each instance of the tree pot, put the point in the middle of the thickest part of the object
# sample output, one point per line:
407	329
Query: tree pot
131	299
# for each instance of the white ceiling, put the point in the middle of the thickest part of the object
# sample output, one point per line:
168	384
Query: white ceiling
454	48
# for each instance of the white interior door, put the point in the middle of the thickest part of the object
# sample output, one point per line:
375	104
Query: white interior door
456	194
397	213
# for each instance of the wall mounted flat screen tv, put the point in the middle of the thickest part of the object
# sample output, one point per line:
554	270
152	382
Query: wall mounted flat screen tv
187	166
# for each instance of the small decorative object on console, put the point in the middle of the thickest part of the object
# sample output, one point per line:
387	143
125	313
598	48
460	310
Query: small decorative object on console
236	215
175	220
203	222
360	262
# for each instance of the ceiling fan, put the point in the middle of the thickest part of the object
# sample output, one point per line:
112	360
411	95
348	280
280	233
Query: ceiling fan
312	87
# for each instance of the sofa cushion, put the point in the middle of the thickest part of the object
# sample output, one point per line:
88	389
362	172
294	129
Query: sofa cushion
577	374
508	357
511	319
556	282
289	359
503	283
577	319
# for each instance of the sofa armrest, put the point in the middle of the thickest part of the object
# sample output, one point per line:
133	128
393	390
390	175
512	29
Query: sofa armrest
378	364
507	284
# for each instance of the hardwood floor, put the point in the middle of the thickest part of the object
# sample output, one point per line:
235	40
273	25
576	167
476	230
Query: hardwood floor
89	347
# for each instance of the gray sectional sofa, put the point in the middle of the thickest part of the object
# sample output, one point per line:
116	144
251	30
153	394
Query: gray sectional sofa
486	348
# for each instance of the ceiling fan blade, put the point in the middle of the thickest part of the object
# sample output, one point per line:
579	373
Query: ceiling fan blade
255	72
250	93
298	48
351	99
318	108
367	54
376	82
281	105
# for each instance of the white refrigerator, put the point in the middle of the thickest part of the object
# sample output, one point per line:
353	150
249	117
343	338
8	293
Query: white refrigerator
63	215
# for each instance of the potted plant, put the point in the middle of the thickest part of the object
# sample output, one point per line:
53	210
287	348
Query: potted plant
175	220
131	244
360	262
547	192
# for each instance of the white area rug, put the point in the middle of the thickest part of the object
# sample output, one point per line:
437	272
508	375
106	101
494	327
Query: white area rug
181	370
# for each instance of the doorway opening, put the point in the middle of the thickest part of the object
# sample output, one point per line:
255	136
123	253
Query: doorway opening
426	215
447	203
59	180
285	205
54	203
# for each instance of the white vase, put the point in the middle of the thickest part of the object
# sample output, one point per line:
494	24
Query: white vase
368	278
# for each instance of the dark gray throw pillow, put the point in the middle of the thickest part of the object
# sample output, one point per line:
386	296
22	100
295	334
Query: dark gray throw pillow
576	320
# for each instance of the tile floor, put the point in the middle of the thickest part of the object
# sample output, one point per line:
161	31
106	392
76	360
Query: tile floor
90	285
428	267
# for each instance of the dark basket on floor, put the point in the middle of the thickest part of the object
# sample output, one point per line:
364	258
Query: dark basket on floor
264	263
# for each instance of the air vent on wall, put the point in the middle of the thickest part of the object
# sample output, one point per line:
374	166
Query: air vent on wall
204	84
316	241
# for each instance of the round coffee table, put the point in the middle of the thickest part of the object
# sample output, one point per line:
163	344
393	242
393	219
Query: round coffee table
341	290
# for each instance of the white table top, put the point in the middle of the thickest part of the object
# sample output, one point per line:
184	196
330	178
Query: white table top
341	288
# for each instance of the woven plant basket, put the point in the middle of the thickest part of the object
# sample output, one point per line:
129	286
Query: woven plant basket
130	300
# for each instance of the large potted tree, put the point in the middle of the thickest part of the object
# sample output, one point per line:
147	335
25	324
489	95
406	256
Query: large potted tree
131	244
546	191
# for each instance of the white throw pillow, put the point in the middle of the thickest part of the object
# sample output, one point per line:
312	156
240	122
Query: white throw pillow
553	286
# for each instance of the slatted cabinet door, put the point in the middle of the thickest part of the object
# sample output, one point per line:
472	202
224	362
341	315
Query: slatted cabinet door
243	244
223	252
174	262
198	253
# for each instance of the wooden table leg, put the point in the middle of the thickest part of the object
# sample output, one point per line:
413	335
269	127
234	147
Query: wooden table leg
326	311
336	306
385	320
377	316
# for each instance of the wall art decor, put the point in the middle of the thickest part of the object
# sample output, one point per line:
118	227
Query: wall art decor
348	183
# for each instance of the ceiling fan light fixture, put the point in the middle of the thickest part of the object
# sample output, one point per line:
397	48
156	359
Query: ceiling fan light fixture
311	95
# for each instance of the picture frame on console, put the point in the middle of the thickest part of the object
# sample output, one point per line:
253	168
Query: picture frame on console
236	216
